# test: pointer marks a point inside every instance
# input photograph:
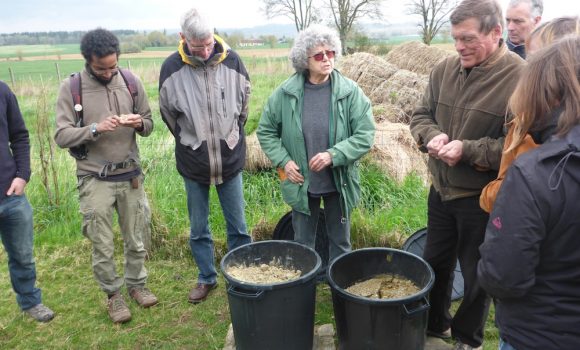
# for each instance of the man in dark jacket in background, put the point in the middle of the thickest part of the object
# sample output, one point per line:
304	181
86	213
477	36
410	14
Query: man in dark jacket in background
522	16
16	226
459	122
203	97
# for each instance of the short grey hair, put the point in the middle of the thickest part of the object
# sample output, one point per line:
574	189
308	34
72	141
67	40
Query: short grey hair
195	26
309	38
487	12
536	6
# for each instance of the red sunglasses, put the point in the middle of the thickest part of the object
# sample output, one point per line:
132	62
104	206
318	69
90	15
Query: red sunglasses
320	56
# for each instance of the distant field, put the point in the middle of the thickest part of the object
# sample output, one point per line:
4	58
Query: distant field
41	60
43	64
46	69
15	51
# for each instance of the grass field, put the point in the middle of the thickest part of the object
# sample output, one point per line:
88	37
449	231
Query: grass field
388	214
16	51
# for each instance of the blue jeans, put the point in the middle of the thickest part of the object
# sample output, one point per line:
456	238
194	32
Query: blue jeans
17	237
505	346
231	198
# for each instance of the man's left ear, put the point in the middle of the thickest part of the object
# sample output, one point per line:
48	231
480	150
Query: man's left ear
537	20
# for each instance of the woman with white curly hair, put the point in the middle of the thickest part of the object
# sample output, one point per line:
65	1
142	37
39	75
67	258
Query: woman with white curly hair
314	128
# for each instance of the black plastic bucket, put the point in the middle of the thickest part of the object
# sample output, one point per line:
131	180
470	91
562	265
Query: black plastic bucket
273	316
285	230
416	244
365	323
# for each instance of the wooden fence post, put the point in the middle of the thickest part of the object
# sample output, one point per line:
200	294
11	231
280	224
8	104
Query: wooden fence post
12	77
57	71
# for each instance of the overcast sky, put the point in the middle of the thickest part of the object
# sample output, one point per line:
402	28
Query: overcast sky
68	15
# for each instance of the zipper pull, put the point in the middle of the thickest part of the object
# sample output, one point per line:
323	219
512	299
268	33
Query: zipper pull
224	102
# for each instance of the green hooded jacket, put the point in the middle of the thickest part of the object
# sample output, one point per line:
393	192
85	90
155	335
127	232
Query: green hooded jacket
351	136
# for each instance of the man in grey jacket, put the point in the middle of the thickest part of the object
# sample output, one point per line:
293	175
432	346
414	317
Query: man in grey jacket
203	96
109	172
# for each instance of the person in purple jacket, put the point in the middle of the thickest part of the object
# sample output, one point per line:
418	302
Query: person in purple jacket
15	211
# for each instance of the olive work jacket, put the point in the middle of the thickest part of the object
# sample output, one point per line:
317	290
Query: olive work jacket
467	105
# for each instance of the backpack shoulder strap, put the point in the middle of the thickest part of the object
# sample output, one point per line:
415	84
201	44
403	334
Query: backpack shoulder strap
77	96
131	83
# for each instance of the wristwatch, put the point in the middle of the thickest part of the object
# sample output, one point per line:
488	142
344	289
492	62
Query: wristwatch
93	128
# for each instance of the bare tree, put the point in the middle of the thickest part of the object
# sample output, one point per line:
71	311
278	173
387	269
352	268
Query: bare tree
346	12
435	13
300	11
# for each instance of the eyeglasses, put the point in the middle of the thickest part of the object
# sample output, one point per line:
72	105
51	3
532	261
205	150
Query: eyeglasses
209	47
104	71
320	55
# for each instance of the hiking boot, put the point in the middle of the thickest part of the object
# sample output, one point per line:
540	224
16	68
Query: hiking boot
118	310
446	334
200	292
143	296
40	313
460	346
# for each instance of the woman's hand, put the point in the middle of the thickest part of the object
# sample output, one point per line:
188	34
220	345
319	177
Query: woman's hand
293	173
320	161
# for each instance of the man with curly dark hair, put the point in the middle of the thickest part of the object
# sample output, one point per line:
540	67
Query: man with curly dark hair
103	117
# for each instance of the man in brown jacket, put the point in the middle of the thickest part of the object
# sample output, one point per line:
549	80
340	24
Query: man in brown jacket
459	123
108	170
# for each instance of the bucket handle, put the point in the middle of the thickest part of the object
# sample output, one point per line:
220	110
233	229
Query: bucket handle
244	294
419	309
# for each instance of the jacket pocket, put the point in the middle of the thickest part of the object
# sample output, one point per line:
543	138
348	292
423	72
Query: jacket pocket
290	193
354	183
233	137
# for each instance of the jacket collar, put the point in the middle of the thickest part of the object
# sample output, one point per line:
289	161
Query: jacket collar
561	145
568	147
221	51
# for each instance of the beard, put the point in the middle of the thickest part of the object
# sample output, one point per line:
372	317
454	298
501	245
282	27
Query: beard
99	78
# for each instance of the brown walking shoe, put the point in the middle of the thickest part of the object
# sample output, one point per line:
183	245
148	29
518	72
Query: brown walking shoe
143	296
200	292
118	310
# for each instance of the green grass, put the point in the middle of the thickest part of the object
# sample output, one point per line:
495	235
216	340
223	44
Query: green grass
388	213
14	51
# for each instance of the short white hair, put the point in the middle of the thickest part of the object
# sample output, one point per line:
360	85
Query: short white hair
194	25
536	6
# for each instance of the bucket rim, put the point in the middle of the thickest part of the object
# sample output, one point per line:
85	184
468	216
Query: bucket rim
373	301
261	287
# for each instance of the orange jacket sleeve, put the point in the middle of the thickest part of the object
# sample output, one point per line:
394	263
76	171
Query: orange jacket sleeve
489	192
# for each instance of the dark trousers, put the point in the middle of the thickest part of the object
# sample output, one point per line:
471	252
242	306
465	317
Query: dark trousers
455	229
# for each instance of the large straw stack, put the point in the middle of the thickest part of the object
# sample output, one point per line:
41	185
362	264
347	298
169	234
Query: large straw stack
384	83
416	57
404	89
396	152
255	158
